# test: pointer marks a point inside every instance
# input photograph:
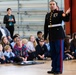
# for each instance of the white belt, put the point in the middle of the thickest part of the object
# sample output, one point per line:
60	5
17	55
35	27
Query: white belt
54	25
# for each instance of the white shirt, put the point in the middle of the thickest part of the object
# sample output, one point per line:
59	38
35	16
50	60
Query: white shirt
13	44
30	46
3	32
1	54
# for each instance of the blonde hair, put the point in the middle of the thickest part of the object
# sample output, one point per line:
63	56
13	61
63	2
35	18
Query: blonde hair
7	47
34	43
24	41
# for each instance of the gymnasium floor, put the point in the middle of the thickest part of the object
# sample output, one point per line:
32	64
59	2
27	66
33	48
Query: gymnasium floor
38	69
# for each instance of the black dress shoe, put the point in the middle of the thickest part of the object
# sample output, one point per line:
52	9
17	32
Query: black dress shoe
50	72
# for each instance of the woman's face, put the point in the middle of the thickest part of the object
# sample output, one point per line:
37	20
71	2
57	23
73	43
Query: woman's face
18	41
9	11
53	5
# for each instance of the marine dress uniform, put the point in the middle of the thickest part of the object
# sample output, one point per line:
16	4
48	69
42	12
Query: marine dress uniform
56	33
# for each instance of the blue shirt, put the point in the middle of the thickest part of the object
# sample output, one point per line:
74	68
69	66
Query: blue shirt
9	54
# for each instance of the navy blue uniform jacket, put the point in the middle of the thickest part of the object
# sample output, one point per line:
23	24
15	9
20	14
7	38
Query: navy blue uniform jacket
57	32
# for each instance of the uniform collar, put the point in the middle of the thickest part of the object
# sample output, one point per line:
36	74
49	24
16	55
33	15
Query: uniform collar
53	10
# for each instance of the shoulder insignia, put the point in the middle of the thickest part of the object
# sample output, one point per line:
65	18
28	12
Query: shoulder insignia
55	14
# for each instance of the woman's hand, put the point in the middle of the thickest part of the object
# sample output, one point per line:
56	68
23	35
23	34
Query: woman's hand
68	11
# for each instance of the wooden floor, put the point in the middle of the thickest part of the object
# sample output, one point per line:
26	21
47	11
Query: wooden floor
38	69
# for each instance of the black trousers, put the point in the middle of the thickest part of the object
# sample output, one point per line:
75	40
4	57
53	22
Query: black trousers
11	30
2	61
17	59
31	56
8	60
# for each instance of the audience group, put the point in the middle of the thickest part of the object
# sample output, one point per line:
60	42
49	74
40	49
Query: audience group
16	49
70	47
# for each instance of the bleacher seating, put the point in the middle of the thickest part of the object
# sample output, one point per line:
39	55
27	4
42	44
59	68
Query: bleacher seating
29	16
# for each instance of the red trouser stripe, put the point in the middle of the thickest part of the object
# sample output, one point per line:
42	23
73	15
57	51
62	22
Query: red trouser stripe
61	56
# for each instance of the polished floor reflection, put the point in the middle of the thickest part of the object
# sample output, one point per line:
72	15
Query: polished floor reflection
38	69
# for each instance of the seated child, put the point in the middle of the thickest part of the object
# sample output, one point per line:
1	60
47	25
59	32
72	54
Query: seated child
41	50
2	58
20	51
9	55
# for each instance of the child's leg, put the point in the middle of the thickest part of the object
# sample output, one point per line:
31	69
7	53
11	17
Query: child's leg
70	56
2	61
7	59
